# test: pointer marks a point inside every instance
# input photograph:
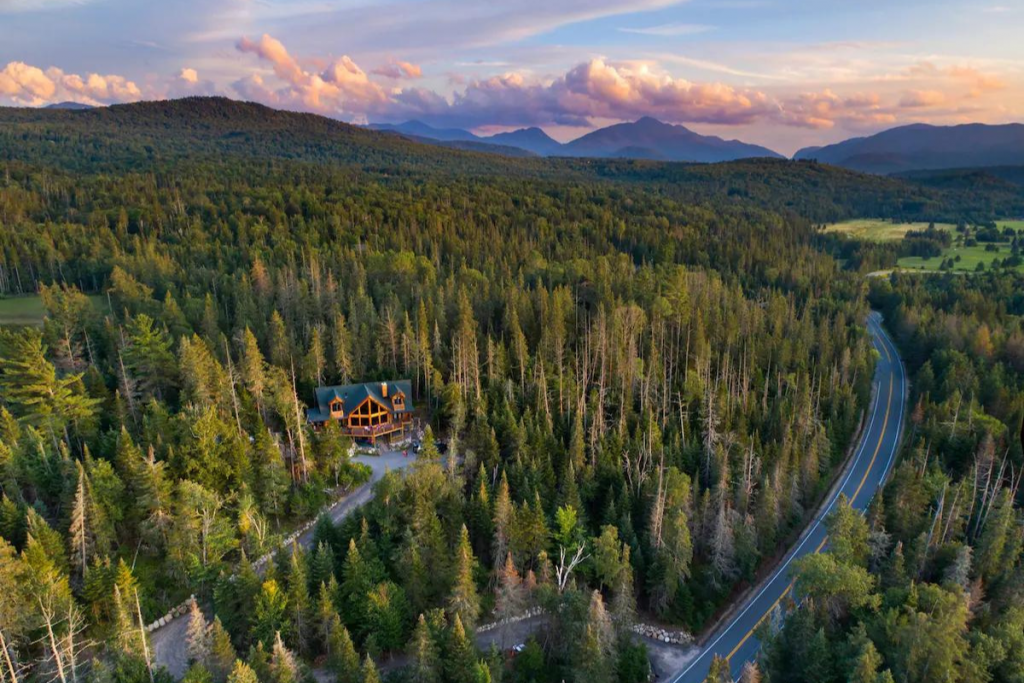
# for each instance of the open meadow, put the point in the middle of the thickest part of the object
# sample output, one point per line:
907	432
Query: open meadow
879	230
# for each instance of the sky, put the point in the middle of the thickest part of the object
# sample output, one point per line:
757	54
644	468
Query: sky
781	73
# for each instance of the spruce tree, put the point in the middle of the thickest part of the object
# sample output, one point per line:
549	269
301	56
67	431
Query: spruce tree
242	673
197	638
343	659
222	655
425	666
464	600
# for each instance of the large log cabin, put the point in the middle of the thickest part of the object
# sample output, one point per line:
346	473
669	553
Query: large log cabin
370	411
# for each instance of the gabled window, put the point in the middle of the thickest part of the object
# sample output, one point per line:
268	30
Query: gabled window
336	406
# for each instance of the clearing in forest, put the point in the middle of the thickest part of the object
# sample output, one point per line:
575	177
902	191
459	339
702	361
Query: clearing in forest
880	230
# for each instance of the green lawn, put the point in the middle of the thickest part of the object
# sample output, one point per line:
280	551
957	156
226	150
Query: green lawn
876	230
29	310
1016	225
970	257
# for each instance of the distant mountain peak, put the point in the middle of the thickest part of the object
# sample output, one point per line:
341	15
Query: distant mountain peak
922	146
649	138
72	106
645	138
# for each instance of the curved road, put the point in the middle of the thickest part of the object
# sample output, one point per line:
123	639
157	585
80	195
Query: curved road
735	640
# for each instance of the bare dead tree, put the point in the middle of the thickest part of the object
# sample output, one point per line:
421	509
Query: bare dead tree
563	572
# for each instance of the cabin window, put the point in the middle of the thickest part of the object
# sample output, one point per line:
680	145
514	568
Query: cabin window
336	406
399	401
369	414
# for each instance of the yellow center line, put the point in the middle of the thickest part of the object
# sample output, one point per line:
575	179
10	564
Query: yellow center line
874	456
878	447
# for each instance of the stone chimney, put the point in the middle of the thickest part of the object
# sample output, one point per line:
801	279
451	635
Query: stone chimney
384	389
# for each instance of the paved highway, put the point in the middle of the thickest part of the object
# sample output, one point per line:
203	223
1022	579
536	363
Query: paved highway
872	461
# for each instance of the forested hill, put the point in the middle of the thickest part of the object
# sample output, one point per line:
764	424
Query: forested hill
169	135
648	367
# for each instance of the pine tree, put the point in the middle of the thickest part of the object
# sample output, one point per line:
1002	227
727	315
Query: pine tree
719	671
80	536
241	673
425	666
32	390
370	674
509	600
460	658
197	638
848	534
283	668
863	667
321	566
280	344
222	652
327	618
253	368
464	600
624	599
271	613
388	614
502	519
341	355
297	598
750	673
343	660
314	362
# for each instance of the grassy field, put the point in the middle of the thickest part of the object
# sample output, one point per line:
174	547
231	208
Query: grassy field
1016	225
29	310
876	230
970	257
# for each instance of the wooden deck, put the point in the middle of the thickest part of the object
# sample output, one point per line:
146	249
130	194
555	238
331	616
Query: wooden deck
375	432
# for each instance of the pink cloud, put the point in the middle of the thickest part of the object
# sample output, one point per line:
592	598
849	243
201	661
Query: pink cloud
824	110
189	75
24	83
341	88
919	99
398	70
27	84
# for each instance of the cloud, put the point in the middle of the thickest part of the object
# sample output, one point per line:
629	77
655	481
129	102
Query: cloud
26	84
397	70
341	88
596	89
189	75
824	110
917	99
669	30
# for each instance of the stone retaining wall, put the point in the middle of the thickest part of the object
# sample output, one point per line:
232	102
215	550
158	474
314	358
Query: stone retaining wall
664	635
535	612
179	610
659	633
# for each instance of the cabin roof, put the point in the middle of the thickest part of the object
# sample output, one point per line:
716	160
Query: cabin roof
354	394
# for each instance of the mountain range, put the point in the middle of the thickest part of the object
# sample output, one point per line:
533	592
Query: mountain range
901	150
646	138
925	147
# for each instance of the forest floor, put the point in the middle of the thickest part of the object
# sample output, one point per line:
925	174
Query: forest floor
168	643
